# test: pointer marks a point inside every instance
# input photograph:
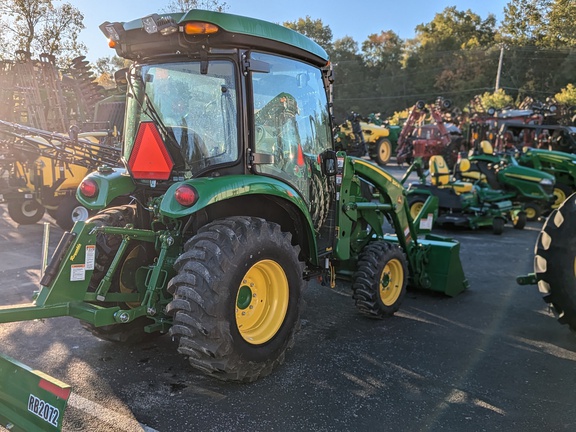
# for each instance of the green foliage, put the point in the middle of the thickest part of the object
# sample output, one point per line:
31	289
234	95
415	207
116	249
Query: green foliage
566	96
384	49
399	117
525	22
38	26
314	29
561	24
453	29
498	100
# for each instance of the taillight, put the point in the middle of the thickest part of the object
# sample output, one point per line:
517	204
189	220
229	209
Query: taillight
186	195
149	159
89	188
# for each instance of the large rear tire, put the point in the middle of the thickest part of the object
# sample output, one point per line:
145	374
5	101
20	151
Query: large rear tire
137	255
379	284
555	262
237	298
25	212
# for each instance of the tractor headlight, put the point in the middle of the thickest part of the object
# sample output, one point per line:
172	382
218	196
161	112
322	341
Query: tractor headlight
546	182
164	25
149	24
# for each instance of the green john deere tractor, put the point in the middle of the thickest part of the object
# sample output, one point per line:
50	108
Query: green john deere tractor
461	203
530	187
380	140
231	198
559	164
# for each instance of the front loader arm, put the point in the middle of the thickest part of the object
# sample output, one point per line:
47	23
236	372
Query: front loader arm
433	261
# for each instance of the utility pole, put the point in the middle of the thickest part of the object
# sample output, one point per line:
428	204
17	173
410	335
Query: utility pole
497	86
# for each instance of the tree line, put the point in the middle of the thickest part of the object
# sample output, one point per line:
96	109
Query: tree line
456	55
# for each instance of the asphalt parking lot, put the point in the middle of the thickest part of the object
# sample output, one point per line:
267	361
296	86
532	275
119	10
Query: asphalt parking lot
491	359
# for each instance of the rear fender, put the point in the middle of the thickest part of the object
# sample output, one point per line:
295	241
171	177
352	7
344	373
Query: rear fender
112	183
211	190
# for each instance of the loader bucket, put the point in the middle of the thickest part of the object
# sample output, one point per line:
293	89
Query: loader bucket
30	401
443	266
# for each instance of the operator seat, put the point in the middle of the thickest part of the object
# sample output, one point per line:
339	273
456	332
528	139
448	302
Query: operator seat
486	147
441	176
484	167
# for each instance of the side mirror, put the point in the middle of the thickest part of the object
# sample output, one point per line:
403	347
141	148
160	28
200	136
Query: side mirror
329	163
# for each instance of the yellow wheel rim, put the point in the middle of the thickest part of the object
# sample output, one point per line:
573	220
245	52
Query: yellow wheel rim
262	302
391	282
384	151
560	197
415	209
530	213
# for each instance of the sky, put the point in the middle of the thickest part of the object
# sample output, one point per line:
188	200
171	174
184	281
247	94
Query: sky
356	19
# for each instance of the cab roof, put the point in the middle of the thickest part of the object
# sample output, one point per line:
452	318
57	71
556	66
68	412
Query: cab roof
237	31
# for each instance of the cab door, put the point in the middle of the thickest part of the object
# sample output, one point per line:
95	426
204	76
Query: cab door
292	126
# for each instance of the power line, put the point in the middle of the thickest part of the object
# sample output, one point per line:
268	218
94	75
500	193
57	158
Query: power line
418	95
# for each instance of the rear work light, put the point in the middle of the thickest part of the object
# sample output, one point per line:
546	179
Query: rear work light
149	159
186	195
89	188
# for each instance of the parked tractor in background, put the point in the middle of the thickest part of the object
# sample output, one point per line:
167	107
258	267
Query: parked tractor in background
460	203
380	140
559	164
423	140
532	188
233	198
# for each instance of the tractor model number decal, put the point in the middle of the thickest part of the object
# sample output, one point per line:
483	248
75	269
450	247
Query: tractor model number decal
43	410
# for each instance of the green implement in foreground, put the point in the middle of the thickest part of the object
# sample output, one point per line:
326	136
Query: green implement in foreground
30	401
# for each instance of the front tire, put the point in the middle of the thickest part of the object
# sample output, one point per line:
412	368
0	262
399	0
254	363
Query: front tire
25	212
237	298
380	282
519	221
498	226
533	211
415	204
561	192
555	262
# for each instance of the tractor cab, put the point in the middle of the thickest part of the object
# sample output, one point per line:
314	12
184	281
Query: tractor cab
211	96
